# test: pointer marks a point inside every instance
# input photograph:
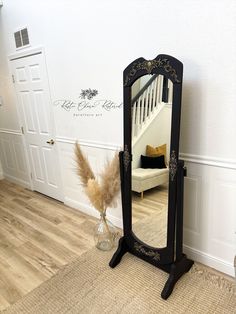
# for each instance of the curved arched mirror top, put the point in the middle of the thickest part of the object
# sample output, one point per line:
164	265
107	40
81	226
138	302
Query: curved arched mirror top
166	65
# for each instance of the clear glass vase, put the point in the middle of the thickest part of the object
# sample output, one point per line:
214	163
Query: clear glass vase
106	234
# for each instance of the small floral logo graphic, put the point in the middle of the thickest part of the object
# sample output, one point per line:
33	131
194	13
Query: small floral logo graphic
87	103
88	93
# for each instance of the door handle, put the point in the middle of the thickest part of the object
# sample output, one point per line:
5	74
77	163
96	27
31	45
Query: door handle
51	142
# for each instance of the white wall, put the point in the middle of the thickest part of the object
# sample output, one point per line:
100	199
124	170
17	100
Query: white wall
89	43
13	157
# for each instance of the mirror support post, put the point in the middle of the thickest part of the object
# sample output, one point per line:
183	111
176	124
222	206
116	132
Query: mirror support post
182	264
179	216
122	246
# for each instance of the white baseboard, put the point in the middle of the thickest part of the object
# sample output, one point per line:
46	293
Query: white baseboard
1	176
89	210
21	182
209	260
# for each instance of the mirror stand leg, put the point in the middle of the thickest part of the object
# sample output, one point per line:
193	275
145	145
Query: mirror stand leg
178	269
121	250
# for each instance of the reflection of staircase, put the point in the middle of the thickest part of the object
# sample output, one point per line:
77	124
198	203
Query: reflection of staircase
148	102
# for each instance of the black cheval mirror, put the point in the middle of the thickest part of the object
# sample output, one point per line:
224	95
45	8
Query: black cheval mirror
152	176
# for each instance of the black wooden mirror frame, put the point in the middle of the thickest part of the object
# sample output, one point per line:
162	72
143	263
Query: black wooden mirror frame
170	258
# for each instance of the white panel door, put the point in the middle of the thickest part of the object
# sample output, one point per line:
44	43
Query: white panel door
35	109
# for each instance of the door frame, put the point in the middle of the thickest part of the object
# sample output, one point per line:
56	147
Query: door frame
23	54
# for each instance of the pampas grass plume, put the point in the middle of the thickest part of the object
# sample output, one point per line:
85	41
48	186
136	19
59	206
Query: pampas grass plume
83	168
94	194
110	182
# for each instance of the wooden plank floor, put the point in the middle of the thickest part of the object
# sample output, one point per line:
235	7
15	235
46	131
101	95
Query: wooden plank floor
154	201
38	236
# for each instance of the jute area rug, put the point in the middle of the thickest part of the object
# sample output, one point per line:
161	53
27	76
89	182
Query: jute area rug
89	285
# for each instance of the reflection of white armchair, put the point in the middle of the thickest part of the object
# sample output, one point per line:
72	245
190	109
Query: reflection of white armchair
145	179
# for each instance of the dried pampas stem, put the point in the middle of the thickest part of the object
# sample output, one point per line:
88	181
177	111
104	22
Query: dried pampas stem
83	168
110	184
94	194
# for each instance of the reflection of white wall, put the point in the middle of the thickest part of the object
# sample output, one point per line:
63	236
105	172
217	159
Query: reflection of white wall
144	79
158	133
86	46
139	84
135	88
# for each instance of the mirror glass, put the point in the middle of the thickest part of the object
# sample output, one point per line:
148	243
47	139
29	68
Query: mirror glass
151	131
